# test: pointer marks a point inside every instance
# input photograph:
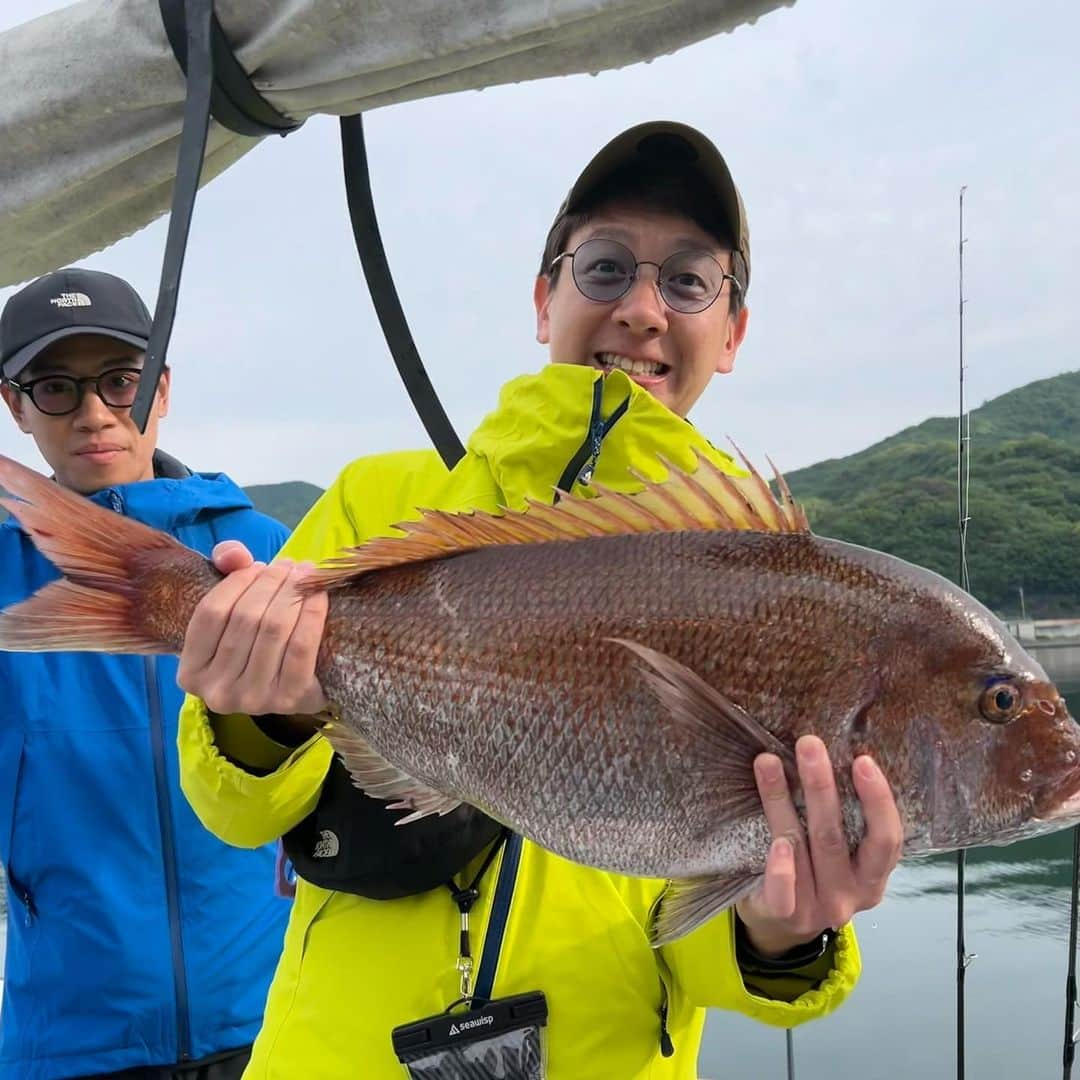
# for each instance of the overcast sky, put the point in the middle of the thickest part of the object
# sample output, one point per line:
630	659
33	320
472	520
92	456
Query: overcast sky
849	125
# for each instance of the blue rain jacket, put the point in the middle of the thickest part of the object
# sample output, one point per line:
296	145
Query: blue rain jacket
135	937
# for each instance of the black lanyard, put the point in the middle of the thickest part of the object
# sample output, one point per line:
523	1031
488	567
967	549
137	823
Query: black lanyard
465	897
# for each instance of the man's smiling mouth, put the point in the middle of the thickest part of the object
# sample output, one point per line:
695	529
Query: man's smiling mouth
608	361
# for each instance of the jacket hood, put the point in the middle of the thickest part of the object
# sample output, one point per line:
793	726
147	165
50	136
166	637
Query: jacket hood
168	502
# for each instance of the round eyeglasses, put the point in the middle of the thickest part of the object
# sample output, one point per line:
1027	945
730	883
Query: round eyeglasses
58	395
605	270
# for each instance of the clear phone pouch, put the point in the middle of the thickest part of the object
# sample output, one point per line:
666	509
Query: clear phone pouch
501	1040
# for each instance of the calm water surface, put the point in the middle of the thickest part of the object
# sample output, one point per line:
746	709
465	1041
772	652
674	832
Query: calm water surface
901	1019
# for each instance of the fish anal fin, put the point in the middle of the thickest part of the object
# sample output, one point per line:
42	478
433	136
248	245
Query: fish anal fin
729	738
706	499
377	777
686	905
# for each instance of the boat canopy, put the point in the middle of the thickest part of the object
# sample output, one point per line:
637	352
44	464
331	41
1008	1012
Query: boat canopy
92	96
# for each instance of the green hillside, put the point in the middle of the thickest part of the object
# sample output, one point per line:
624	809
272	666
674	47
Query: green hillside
900	496
288	502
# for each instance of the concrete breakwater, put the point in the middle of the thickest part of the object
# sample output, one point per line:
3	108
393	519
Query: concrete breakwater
1055	643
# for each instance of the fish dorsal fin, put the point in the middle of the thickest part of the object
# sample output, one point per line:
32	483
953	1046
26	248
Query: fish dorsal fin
706	499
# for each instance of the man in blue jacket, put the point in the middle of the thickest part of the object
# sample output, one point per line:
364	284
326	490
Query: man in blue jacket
138	944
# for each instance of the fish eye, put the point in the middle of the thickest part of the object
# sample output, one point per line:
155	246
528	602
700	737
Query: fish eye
1000	703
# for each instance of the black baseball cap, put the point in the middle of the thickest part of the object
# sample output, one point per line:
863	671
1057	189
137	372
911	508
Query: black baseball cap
65	303
666	144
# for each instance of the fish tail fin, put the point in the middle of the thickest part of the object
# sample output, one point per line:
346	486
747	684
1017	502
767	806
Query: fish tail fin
65	617
124	583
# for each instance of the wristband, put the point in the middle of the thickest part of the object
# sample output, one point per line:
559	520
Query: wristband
796	957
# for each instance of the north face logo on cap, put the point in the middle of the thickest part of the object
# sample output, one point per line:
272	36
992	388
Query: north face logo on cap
71	299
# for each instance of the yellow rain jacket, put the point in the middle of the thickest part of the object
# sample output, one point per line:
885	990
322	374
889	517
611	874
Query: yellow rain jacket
353	968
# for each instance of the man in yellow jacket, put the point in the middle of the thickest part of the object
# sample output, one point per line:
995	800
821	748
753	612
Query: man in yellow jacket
640	301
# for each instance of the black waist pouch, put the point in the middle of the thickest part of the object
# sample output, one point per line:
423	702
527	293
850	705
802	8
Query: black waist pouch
349	843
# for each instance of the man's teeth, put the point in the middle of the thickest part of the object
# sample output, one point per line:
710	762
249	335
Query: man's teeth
631	367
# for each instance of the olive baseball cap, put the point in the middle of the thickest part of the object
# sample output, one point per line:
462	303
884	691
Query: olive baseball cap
668	145
65	303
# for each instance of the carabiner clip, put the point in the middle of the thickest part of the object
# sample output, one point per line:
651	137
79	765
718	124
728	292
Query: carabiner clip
465	968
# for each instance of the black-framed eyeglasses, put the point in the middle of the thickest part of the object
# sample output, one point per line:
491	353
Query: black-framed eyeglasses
58	395
605	270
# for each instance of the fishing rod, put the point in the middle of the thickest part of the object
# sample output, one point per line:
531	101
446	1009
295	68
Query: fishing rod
1069	1050
963	476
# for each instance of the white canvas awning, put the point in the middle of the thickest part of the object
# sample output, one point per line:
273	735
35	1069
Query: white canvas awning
91	96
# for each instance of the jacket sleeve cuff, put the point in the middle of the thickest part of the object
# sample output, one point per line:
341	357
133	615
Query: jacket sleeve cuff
790	984
791	998
236	804
240	739
705	965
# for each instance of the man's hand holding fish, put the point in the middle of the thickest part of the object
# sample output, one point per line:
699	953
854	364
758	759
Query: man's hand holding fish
812	881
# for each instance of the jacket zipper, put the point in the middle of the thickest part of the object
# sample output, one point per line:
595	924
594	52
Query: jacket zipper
168	851
667	1047
582	465
24	897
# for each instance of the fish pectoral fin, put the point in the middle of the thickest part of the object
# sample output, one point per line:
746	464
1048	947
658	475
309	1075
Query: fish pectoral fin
373	774
728	737
686	905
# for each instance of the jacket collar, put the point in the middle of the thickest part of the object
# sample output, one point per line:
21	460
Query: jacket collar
169	468
176	496
544	420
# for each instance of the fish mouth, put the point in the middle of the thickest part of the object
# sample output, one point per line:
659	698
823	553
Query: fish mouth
1062	806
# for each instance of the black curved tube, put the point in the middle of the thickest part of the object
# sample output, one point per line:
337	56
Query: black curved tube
369	245
189	162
